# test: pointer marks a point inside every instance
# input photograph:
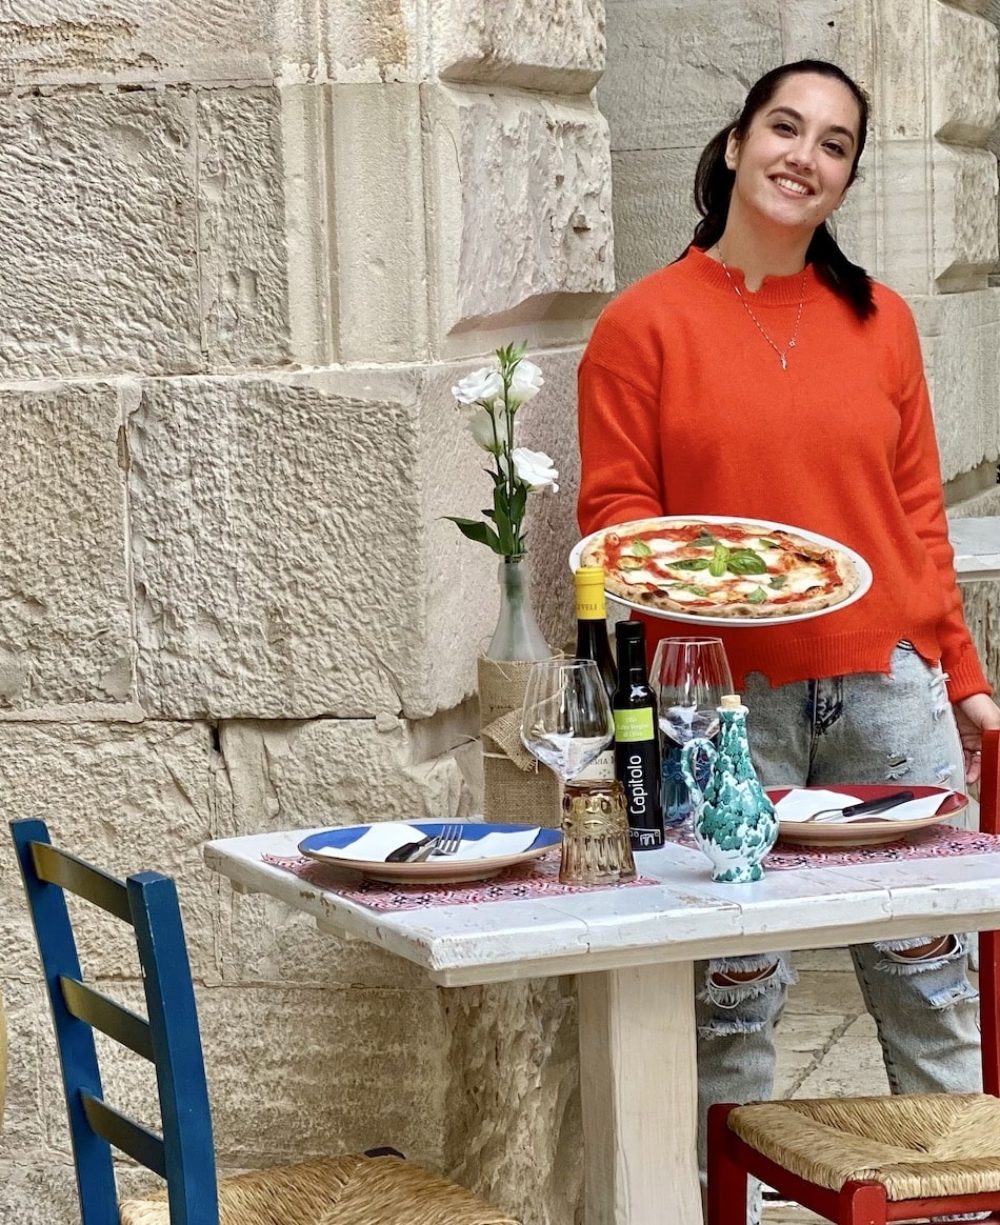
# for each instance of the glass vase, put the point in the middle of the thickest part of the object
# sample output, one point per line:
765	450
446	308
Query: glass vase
517	636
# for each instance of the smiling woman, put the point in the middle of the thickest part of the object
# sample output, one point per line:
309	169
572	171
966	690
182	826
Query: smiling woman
764	376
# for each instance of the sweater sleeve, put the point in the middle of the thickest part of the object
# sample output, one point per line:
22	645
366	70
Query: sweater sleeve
620	471
918	482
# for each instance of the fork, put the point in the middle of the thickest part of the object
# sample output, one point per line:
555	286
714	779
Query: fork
448	840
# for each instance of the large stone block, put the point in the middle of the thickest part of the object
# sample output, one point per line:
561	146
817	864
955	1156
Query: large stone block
937	205
836	30
338	1071
678	72
129	798
65	628
514	1104
653	209
552	45
113	177
372	41
964	103
129	41
241	227
520	192
960	334
287	554
377	209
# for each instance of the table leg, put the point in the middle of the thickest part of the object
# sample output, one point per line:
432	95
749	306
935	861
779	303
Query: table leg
639	1085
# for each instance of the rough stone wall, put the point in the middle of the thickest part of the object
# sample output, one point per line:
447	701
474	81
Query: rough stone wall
248	247
247	250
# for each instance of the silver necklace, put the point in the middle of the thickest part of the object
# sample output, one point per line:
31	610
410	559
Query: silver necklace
782	353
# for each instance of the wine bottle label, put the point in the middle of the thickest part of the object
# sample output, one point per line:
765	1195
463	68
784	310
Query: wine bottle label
600	770
634	725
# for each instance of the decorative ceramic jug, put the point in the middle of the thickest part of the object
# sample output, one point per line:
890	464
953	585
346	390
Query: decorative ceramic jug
734	821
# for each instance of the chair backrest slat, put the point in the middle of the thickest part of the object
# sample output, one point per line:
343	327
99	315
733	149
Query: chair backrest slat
56	867
170	1037
125	1134
110	1018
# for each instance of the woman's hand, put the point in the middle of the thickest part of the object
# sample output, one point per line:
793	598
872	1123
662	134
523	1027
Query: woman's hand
974	716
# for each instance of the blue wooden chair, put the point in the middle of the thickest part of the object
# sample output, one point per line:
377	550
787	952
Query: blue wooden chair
351	1190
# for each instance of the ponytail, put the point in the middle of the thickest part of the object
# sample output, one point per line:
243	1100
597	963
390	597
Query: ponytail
713	187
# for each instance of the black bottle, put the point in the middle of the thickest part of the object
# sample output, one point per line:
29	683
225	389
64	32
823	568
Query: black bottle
637	749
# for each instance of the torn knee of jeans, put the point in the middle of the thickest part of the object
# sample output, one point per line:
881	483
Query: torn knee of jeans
897	765
769	974
943	772
939	693
728	1027
941	951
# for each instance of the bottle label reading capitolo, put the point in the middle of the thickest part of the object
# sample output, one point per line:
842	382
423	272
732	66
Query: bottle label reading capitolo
636	765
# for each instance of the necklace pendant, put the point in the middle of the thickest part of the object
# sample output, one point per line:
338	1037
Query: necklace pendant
784	362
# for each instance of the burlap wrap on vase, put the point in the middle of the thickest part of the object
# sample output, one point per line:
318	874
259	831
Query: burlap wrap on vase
517	787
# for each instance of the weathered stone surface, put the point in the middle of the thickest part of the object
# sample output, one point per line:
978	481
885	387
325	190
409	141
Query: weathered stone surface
514	1111
380	281
960	334
339	1071
112	176
678	72
52	41
964	104
33	1071
377	40
288	552
521	206
553	45
653	209
130	798
241	227
65	633
834	30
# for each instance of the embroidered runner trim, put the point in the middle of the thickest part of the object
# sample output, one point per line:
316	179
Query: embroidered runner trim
538	879
931	842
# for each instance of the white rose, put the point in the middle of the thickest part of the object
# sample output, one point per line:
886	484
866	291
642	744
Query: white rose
485	384
489	436
525	382
535	469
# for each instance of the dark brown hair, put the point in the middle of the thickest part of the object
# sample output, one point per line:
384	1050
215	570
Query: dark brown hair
713	185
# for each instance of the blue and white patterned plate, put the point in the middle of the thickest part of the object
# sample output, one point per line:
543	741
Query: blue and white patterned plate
482	852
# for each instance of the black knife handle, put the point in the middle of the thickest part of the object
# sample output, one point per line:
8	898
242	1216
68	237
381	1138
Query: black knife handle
879	805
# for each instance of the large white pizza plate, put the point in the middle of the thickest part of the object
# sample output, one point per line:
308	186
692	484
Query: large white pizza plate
766	525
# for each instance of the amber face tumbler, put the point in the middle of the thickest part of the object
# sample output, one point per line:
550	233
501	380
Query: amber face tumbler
596	849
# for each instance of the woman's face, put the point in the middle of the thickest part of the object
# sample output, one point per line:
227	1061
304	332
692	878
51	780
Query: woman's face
794	164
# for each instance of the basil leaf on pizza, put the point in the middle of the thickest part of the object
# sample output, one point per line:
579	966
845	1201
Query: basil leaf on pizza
742	571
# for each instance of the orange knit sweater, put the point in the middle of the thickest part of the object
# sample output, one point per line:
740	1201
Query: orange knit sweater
685	409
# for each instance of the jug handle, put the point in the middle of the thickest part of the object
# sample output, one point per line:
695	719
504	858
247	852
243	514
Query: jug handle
688	768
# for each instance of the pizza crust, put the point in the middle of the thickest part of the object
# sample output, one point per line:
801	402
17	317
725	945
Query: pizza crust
605	548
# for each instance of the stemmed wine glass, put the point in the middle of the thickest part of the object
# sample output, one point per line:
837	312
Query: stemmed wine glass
689	677
566	721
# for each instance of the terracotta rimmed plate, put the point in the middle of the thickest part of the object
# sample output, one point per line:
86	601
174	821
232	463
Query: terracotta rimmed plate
872	831
862	567
332	846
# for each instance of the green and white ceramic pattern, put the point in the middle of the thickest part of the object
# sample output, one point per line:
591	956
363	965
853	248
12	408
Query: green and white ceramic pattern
734	821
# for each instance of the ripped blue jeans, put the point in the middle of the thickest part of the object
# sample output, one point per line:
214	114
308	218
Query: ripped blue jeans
865	728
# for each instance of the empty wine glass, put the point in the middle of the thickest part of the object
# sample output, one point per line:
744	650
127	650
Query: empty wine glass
689	677
566	720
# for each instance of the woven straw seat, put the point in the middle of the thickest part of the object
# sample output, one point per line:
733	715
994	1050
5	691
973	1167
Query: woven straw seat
349	1190
916	1147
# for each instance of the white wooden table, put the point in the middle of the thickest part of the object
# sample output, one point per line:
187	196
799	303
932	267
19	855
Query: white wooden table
633	950
977	548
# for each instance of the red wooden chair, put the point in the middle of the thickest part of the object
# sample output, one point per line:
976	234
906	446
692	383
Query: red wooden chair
868	1161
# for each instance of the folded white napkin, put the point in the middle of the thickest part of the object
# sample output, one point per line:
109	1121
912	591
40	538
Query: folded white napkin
385	837
801	803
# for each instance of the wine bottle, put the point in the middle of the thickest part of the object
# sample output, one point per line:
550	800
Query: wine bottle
637	750
592	643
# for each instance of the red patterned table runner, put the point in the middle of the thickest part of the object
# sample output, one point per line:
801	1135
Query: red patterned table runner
539	878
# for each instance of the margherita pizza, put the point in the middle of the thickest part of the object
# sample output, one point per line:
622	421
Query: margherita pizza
720	569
